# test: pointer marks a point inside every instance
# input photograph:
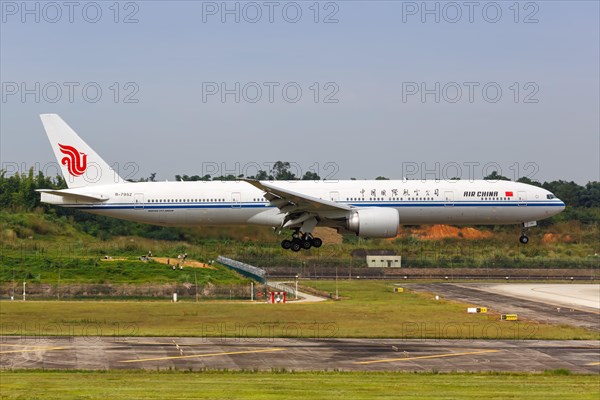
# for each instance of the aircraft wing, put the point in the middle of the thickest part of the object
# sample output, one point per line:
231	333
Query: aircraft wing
289	201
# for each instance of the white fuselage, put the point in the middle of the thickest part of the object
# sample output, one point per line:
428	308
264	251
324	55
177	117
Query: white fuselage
240	203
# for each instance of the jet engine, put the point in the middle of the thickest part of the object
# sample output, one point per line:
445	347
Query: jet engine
374	222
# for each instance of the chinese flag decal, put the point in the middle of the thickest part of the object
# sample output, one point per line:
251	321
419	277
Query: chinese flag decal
509	194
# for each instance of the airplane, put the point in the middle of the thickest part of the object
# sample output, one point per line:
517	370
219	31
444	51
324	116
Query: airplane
367	208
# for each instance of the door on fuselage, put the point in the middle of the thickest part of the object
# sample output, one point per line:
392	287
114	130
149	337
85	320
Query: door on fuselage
449	199
522	199
138	200
334	196
236	199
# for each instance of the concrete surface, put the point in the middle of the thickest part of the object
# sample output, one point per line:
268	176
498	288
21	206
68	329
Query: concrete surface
291	289
566	295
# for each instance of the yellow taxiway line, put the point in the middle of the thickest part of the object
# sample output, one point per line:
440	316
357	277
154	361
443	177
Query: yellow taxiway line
593	363
204	355
30	350
22	345
157	343
422	357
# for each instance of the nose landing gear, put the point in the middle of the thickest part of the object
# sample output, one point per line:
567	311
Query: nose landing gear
524	239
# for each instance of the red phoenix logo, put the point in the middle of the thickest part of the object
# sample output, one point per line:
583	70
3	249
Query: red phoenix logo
75	161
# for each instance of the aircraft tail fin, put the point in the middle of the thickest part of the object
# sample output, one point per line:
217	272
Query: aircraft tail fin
80	165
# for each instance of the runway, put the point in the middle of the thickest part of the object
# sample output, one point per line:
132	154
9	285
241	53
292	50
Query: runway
584	296
152	353
554	304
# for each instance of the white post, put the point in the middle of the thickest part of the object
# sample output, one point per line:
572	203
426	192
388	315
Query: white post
337	293
175	297
196	281
24	283
251	291
296	287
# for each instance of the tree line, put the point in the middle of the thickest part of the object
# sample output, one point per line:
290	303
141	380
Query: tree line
279	172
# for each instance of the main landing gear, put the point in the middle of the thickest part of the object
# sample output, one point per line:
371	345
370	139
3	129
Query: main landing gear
301	241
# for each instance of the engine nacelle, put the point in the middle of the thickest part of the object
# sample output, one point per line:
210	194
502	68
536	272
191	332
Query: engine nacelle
375	222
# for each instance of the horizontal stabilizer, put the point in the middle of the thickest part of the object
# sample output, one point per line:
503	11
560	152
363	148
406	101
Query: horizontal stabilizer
86	198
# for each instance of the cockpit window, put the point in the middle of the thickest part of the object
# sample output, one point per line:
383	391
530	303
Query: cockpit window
550	196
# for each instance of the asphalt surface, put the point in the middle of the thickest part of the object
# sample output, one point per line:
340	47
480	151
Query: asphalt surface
293	354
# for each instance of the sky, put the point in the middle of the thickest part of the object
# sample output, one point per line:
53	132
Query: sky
346	89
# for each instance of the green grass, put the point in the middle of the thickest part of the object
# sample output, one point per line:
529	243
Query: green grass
304	385
370	309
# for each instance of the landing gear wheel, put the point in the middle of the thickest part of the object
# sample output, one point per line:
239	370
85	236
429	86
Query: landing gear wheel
524	239
296	246
301	241
316	242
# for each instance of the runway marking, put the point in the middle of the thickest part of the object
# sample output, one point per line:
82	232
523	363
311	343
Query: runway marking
594	363
204	355
569	307
36	349
178	348
422	357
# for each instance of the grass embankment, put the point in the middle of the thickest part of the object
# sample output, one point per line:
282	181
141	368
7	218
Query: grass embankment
370	309
127	270
36	245
39	248
306	385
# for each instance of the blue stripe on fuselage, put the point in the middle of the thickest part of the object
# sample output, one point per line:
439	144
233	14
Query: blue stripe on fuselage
229	205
